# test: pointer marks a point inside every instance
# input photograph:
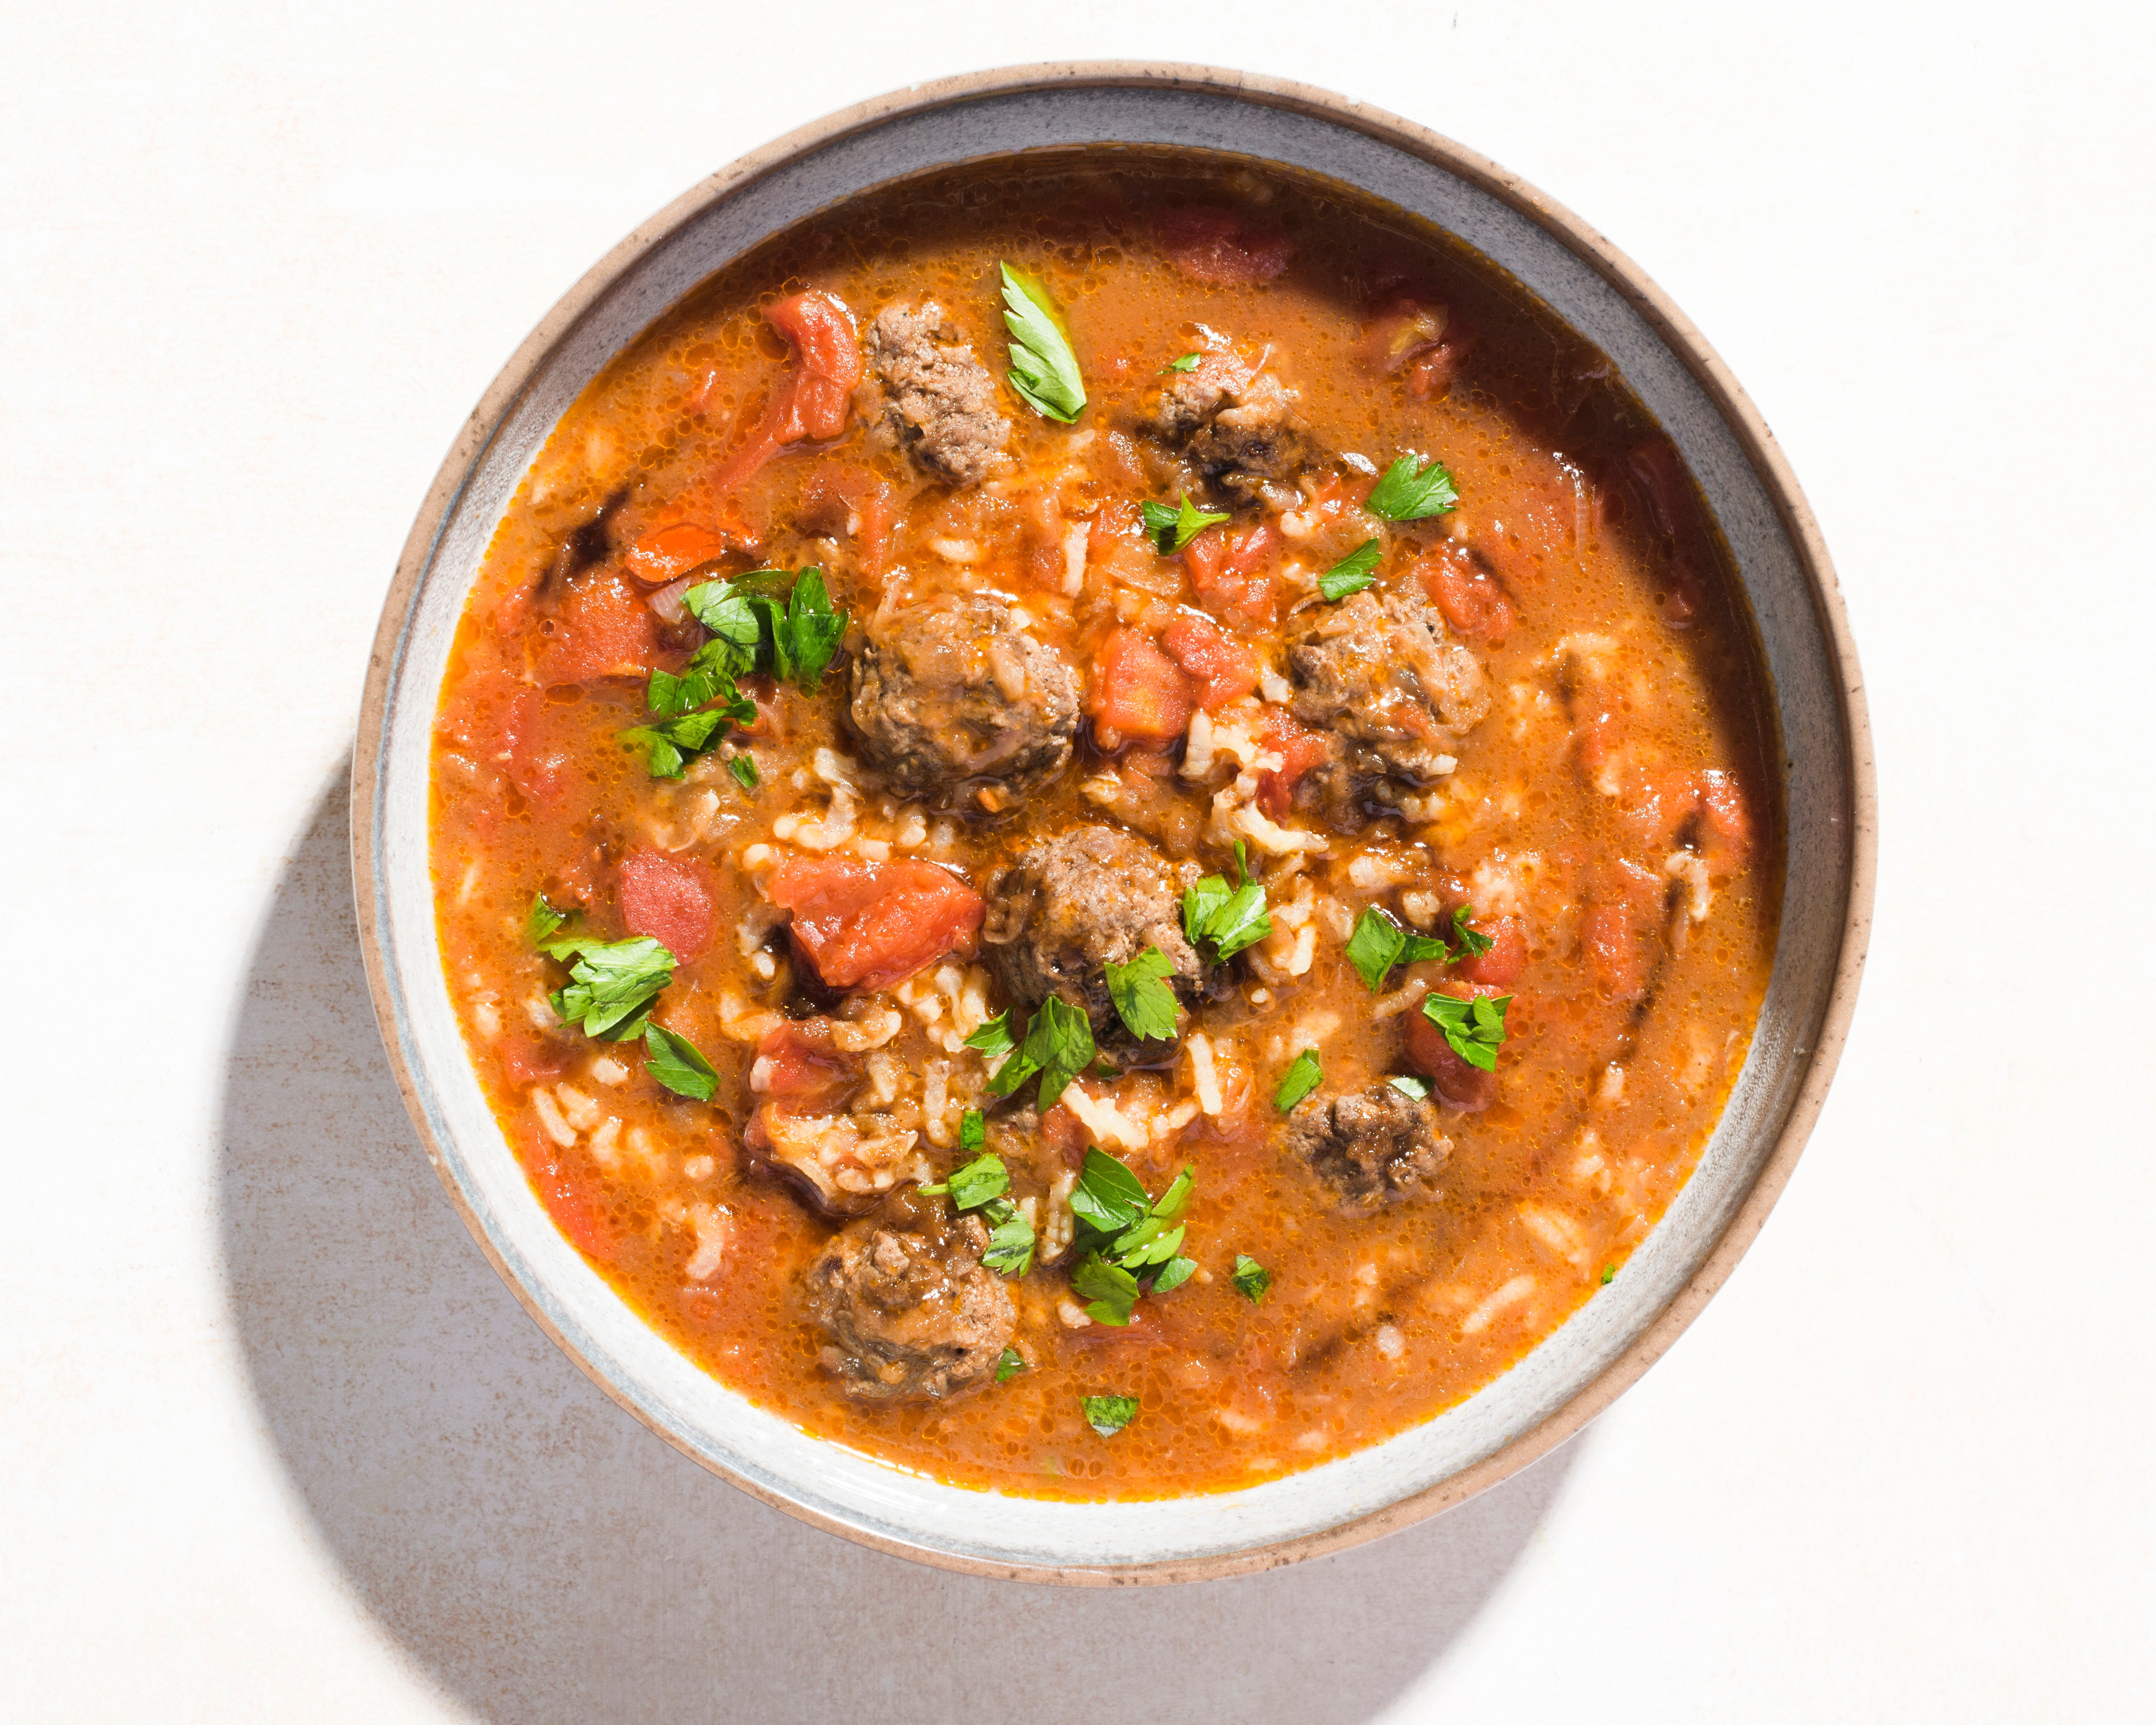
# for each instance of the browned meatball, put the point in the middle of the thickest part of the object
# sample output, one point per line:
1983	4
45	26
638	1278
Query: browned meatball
939	401
1071	903
956	705
910	1313
1370	1148
1392	687
1235	425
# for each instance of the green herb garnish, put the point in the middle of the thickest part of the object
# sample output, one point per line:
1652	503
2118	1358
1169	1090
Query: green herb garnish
1472	944
1142	998
743	769
1406	494
611	984
1182	362
1058	1045
1251	1278
1109	1415
972	1131
1171	529
1379	943
993	1038
1108	1290
1043	371
541	920
670	744
1352	572
983	1184
1125	1236
1227	919
678	1064
1409	1085
753	629
1474	1029
1297	1082
1009	1365
1609	1274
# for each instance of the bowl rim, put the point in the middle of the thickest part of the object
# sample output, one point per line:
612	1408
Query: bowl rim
1680	337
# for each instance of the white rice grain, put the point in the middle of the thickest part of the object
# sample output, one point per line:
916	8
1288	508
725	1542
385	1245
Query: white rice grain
1204	1079
1513	1292
550	1120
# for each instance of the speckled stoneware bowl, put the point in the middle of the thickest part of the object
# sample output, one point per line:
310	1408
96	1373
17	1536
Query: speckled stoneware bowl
1577	1371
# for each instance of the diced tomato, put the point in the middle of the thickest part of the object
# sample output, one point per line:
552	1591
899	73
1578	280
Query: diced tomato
604	629
1614	932
1465	593
1223	248
811	401
799	1066
1117	545
501	723
1138	691
572	1196
1425	340
1458	1084
1507	956
847	500
670	898
1724	822
1300	750
1232	570
530	1059
671	552
1223	669
871	925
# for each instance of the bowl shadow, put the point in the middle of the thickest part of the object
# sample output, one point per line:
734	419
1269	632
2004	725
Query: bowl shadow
542	1557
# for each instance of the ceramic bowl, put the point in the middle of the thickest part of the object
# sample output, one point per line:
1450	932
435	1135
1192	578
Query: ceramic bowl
1576	1371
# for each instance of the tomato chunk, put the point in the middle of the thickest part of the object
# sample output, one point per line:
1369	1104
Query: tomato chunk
604	629
572	1196
671	552
1300	750
871	925
1466	595
1232	570
1223	669
1457	1082
1621	918
798	1064
670	898
1138	691
811	401
1507	956
501	723
1223	248
1724	822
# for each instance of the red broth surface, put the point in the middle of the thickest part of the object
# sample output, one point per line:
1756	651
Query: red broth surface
1542	720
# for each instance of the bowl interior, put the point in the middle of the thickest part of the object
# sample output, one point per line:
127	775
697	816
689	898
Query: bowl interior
1576	1369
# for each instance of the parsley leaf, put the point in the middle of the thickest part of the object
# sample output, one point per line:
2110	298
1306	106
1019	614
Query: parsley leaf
1108	1196
982	1184
612	985
1609	1274
1108	1290
670	744
1251	1278
1043	371
1058	1045
1473	944
1379	943
1182	362
1474	1029
1108	1415
743	769
541	920
1171	529
1010	1239
1225	919
1172	1275
1408	1084
1009	1365
1297	1082
975	1182
972	1130
1352	572
753	629
1407	494
1143	1000
993	1038
678	1064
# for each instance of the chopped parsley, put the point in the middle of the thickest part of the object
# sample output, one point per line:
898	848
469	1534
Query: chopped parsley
1125	1236
754	629
611	984
1251	1278
1408	1084
1352	572
743	769
993	1038
1379	943
1142	998
1171	529
1043	371
541	920
1474	1029
1058	1045
1222	918
972	1131
1108	1415
1472	944
1609	1274
1297	1082
983	1184
678	1064
1009	1365
1406	494
1182	362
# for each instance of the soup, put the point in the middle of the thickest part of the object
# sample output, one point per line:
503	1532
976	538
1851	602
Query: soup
1107	828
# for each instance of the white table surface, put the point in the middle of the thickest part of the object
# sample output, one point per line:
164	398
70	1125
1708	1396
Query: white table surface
277	1446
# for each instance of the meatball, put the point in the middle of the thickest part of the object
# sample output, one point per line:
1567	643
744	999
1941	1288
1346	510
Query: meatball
1235	425
1370	1148
1071	904
939	401
955	704
1392	687
910	1313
